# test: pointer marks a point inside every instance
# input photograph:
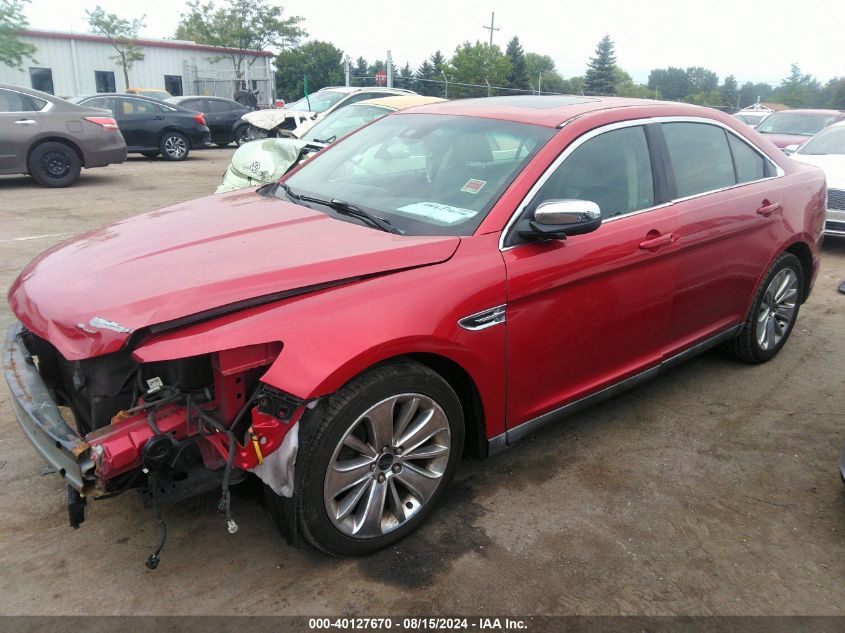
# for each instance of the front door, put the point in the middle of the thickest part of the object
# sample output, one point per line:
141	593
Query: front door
592	310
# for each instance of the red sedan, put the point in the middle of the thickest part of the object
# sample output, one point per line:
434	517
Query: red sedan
446	280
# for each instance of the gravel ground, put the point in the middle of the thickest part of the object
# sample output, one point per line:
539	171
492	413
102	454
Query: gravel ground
713	489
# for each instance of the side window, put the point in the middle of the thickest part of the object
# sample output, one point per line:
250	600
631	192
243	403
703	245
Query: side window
612	169
137	106
193	104
700	156
217	106
11	101
234	106
749	164
106	103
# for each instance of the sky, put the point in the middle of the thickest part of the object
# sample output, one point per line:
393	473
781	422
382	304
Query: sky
753	40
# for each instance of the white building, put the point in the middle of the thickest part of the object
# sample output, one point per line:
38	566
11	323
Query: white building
75	64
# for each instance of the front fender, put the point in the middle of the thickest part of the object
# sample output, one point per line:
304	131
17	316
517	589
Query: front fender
330	336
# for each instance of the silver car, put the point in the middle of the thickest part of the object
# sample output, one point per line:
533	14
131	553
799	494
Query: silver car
52	139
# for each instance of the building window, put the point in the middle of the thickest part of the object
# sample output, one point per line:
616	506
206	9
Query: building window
41	79
104	80
173	85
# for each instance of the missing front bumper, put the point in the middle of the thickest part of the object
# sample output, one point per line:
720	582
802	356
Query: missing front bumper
39	416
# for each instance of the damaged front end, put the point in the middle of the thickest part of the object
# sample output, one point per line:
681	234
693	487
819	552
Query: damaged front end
171	429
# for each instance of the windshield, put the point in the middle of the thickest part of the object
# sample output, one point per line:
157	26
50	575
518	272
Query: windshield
320	101
750	119
426	174
343	121
829	141
799	123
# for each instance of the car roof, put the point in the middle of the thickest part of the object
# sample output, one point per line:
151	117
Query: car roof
550	110
351	89
186	97
119	94
400	102
812	111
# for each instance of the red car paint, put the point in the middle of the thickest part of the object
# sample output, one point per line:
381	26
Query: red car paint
581	314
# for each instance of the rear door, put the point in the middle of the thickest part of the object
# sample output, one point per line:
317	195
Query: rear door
592	310
727	201
20	122
219	119
141	122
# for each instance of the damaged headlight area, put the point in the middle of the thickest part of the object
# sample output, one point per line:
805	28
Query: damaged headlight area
172	430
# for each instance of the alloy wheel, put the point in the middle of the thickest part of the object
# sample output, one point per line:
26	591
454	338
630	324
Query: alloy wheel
387	465
175	146
777	309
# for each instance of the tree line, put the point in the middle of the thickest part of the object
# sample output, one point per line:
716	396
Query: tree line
515	71
473	69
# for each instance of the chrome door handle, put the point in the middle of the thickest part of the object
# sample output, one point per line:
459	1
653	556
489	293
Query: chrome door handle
657	242
26	122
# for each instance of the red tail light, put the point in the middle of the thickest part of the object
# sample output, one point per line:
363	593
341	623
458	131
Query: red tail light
106	122
200	118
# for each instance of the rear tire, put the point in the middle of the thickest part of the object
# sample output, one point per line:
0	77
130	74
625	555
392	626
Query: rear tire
773	312
174	146
406	463
54	164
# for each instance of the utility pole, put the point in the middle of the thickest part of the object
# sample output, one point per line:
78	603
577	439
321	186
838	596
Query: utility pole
389	65
346	70
492	26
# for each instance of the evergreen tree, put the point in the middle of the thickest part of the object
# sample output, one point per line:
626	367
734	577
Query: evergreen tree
519	74
359	72
405	79
424	83
601	76
730	92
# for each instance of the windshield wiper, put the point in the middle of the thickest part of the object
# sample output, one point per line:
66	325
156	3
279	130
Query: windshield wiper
347	208
344	208
326	140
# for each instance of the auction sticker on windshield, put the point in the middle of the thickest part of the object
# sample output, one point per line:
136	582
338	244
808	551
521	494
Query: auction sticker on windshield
442	213
473	185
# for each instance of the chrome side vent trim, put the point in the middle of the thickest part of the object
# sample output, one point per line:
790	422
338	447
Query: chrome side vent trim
484	319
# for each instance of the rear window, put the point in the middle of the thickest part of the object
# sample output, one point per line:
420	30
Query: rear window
749	164
700	156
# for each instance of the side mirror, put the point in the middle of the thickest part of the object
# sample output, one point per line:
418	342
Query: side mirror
557	219
790	149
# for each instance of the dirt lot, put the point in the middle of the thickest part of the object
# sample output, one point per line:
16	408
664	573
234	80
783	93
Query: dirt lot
713	489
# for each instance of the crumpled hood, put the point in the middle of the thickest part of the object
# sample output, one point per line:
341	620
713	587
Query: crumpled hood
272	118
88	294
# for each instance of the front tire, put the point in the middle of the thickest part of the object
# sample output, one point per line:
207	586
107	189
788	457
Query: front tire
380	459
773	312
174	146
54	164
